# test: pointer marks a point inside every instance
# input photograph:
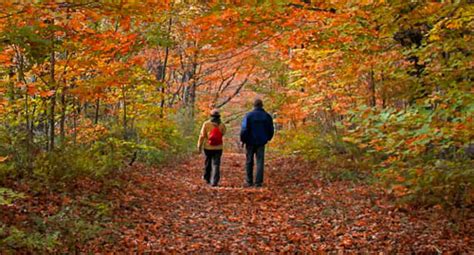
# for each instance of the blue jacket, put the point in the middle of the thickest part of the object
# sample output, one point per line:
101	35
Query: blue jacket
257	127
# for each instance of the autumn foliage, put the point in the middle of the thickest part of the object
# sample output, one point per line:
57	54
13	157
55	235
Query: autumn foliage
95	96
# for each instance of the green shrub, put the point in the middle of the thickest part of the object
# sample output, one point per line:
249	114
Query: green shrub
161	140
7	196
96	161
13	239
420	150
334	158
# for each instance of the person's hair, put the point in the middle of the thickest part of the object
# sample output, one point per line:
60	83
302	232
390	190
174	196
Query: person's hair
216	119
258	103
216	116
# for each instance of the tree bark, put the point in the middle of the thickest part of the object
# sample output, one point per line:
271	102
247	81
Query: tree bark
76	112
373	99
53	97
384	91
62	123
97	111
125	131
163	70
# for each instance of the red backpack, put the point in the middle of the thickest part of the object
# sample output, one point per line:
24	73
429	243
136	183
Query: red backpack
215	136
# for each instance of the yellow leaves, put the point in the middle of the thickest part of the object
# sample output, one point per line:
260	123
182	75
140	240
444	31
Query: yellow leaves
348	139
316	53
434	37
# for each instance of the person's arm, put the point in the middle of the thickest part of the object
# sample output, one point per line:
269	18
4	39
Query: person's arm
270	127
244	130
223	129
202	136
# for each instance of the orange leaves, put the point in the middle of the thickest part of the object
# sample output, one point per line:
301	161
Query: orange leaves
5	58
89	132
399	190
36	90
32	90
174	212
3	158
47	93
125	23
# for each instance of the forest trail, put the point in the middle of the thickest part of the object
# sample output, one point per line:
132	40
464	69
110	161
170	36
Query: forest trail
172	210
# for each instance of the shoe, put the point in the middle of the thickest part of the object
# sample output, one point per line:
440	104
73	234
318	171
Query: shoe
248	185
258	185
206	180
214	185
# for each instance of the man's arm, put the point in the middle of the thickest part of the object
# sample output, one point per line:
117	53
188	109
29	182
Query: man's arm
270	127
244	130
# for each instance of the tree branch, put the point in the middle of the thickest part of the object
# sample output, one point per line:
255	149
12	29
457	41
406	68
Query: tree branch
312	8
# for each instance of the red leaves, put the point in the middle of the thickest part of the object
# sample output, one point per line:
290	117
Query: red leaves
173	211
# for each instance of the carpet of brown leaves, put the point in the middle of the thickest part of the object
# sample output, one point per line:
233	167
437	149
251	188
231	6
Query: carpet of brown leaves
171	210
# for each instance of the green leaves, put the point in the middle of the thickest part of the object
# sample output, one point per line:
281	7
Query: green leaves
8	196
28	40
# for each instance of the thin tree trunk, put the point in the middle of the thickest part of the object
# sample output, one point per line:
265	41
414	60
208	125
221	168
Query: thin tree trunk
11	74
62	123
53	97
97	111
163	70
29	129
384	91
76	112
124	112
373	99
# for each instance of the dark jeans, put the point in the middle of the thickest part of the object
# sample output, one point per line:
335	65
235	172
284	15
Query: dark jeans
259	152
213	160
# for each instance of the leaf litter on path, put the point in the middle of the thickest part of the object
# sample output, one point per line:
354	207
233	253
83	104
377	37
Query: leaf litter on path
295	212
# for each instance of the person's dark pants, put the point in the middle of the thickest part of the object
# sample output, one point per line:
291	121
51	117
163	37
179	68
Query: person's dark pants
213	160
259	152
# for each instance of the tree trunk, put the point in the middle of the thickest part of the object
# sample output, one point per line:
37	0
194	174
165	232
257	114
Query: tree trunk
62	123
384	91
97	108
76	112
53	97
373	99
11	74
28	122
163	70
124	113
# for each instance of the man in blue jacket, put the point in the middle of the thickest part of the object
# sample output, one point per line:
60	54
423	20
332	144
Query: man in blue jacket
257	130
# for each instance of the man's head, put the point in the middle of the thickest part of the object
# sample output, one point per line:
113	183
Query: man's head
215	113
258	103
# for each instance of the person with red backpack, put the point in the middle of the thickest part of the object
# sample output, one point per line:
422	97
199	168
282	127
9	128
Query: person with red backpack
211	141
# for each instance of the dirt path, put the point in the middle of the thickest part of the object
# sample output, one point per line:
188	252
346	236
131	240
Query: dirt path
172	210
